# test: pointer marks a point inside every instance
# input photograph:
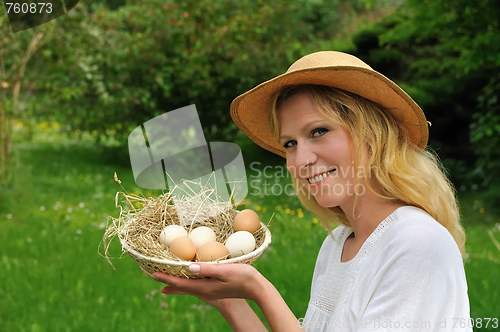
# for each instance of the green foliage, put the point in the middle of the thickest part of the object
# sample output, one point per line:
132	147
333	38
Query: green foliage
113	65
328	18
150	57
485	138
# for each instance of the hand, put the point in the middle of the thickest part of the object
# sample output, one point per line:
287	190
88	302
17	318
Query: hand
219	283
226	287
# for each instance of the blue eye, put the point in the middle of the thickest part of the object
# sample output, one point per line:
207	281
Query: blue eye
322	131
287	145
319	131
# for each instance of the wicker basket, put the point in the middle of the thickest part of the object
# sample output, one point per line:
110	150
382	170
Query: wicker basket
149	265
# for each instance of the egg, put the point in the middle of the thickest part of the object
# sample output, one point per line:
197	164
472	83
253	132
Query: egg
202	235
247	220
211	251
170	233
240	243
183	247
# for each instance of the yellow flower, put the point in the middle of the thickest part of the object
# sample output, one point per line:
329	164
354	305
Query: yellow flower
301	215
287	211
476	202
257	207
109	195
264	209
277	207
315	220
481	210
292	212
299	210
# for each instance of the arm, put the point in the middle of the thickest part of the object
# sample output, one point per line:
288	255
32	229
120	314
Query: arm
278	315
226	287
240	316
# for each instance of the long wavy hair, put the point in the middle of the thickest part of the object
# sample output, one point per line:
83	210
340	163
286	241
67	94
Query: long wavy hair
397	168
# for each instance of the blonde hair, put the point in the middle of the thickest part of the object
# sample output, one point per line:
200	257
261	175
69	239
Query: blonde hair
401	171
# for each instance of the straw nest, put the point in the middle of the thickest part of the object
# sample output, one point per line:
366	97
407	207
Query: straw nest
139	228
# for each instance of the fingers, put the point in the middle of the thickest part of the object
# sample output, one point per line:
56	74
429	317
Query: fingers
169	290
199	269
206	270
178	282
162	277
216	281
222	272
169	279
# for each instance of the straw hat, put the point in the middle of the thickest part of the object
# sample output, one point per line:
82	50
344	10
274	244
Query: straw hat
249	111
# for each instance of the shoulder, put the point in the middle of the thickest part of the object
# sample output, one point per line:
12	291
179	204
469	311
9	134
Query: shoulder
417	234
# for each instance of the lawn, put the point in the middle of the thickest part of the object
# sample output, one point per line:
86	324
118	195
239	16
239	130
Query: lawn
54	279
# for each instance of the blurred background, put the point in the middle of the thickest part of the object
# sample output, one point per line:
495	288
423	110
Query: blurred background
73	89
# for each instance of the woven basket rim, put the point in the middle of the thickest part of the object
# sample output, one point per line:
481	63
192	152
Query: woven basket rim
256	253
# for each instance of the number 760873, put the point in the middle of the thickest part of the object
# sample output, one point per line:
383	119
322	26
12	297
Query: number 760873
28	7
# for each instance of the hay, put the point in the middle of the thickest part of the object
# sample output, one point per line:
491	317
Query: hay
139	228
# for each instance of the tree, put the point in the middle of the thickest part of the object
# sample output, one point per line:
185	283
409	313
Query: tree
446	53
106	71
128	65
15	52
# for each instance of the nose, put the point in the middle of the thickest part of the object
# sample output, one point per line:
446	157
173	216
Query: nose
304	157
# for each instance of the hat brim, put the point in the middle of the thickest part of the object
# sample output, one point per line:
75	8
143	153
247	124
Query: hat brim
249	111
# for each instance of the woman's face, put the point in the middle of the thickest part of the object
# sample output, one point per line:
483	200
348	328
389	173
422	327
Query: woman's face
318	152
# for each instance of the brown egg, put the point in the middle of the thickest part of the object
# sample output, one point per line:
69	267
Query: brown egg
211	251
247	220
183	247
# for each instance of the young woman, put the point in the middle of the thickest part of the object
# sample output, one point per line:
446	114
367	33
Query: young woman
355	145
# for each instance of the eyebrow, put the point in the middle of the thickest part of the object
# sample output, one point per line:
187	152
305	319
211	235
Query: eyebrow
305	127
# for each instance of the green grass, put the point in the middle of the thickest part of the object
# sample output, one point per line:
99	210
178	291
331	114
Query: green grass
53	279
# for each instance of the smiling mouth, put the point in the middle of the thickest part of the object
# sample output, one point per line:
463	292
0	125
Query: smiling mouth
320	176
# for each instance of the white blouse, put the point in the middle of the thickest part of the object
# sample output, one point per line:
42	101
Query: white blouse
407	276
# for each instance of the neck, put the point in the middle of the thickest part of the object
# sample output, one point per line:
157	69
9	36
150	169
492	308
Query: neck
369	211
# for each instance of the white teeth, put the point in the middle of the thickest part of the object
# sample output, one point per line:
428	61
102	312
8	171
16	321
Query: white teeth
319	177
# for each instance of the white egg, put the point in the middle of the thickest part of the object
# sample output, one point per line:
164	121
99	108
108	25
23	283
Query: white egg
202	235
240	243
170	233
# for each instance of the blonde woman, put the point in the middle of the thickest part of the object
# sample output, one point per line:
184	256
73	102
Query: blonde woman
355	146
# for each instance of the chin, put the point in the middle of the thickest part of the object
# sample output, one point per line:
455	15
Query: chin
328	202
